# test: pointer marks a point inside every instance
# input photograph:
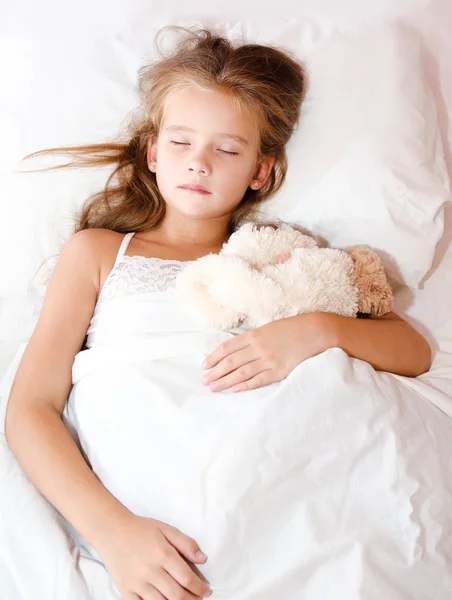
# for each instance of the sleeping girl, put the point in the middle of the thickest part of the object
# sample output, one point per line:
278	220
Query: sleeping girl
205	149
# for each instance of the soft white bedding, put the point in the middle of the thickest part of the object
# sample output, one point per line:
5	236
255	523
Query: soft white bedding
374	483
335	483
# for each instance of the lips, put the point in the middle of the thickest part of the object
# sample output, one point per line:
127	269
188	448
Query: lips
194	187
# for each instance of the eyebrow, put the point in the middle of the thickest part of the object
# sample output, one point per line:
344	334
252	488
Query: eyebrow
237	138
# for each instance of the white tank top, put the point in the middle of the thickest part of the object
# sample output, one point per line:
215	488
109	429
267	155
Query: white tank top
137	302
132	275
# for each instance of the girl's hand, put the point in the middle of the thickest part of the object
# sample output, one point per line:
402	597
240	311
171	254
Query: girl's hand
142	557
266	354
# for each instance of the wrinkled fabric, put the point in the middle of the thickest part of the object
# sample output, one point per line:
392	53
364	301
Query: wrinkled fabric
335	483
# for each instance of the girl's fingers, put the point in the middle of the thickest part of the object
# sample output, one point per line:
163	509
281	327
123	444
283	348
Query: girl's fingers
239	376
263	378
184	544
230	363
149	592
170	588
177	569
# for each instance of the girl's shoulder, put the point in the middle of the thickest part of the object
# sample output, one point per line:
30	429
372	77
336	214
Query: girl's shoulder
96	239
99	248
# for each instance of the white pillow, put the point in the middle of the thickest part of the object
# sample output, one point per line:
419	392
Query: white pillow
366	164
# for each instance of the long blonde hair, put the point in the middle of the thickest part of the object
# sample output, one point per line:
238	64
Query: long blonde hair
262	79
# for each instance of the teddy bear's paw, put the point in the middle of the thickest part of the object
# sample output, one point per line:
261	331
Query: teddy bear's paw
215	314
235	286
194	286
266	300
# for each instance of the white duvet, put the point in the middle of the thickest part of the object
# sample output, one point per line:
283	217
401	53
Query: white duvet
334	484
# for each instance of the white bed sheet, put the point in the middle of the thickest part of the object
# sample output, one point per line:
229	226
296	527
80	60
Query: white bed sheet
347	498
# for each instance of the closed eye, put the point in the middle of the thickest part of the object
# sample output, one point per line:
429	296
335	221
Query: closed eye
187	144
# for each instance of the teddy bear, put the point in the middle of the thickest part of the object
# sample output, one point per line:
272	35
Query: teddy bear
266	272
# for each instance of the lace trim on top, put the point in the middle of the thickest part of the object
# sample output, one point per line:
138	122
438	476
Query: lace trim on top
140	275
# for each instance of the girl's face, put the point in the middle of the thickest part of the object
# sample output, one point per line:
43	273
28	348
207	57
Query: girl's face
203	140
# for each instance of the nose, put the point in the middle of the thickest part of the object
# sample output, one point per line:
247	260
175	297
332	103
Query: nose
198	162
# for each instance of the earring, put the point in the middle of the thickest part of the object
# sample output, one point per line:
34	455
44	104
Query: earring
256	184
152	166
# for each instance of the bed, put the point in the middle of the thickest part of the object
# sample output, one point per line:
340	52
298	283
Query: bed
371	504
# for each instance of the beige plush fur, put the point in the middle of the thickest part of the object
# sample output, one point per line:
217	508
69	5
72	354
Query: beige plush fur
374	292
264	273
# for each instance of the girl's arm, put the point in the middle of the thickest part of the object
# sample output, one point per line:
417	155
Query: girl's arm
388	343
34	429
270	352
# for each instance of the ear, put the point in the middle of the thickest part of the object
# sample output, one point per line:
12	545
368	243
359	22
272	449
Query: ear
262	172
374	292
152	149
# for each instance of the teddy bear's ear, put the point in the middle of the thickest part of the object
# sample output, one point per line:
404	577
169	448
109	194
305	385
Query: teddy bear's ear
374	292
